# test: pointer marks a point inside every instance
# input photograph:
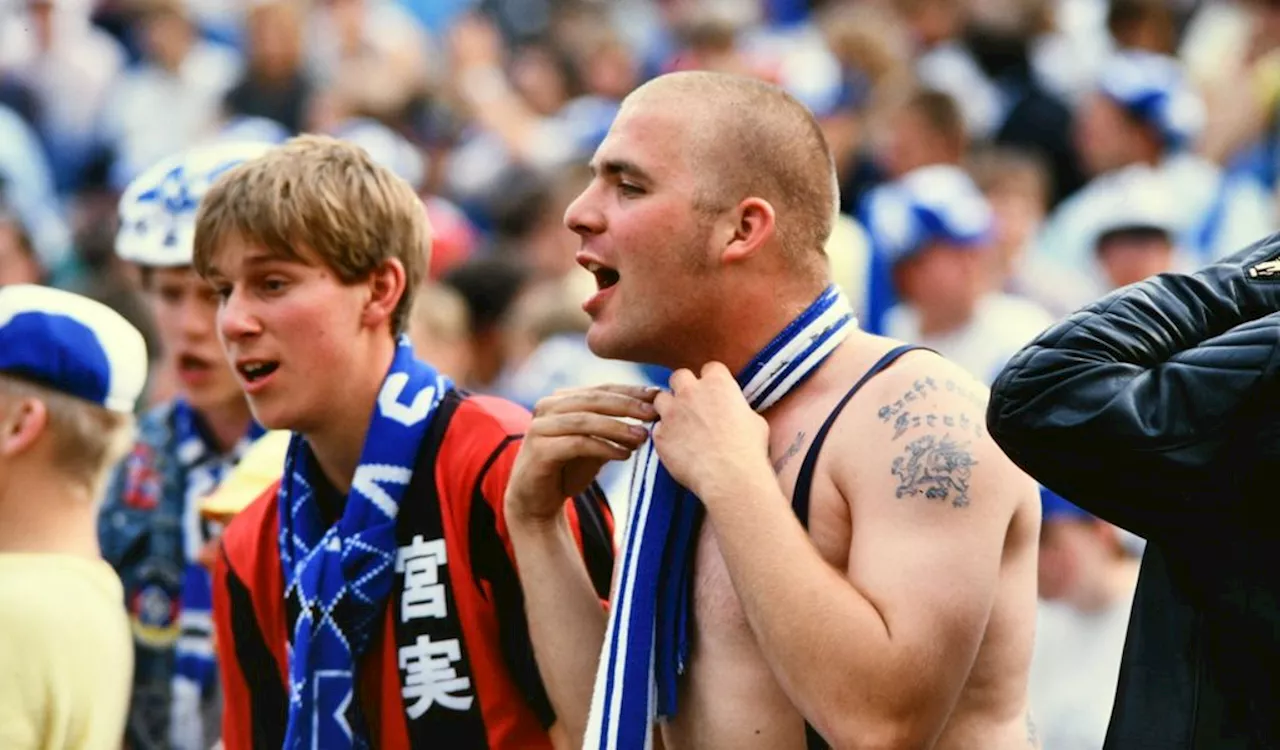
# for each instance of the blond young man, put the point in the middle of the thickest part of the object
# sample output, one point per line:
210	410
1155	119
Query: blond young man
825	547
71	370
369	599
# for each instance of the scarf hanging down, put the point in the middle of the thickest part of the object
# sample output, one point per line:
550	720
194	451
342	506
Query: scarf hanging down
646	645
339	577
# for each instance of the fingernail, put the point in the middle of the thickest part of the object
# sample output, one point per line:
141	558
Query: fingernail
638	431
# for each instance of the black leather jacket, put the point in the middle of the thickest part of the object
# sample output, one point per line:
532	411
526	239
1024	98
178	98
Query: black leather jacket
1158	408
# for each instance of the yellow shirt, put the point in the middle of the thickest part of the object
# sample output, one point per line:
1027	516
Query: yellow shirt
66	654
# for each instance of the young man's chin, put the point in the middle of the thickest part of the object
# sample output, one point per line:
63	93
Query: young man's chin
270	417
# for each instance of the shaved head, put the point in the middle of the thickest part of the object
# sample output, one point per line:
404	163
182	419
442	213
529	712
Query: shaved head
747	138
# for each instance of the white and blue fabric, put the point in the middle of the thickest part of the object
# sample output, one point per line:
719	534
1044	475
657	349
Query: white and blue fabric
339	576
1155	89
158	208
938	203
195	670
646	645
71	344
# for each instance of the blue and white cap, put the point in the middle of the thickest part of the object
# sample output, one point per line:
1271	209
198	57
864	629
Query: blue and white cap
1136	198
386	147
158	209
938	203
1154	88
71	344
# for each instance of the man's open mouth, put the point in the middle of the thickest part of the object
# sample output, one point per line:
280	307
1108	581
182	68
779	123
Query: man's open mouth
605	276
256	370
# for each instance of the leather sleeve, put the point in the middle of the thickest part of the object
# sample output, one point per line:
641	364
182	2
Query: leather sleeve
1137	406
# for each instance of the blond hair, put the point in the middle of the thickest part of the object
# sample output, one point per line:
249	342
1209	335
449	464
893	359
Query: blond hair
324	195
87	439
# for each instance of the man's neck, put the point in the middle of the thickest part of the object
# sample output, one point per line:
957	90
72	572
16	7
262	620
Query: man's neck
339	442
43	512
227	423
735	337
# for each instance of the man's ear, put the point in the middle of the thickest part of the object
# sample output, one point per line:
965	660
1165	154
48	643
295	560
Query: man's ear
386	289
22	421
754	225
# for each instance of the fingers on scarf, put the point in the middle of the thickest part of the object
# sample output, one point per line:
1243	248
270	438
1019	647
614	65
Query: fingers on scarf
635	402
587	424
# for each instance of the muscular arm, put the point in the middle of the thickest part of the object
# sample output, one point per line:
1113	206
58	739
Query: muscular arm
876	655
1128	407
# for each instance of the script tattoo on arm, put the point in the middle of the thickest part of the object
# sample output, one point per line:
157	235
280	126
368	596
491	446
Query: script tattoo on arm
937	465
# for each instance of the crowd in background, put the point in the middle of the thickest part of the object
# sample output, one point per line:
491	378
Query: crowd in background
1001	163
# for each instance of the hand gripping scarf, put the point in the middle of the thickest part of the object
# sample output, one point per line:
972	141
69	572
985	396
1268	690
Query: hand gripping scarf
646	645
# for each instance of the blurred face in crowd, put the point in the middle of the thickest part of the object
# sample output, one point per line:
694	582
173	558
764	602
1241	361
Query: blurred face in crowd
643	235
1075	555
943	283
1106	137
17	262
1132	256
274	38
1019	210
539	79
909	143
296	335
167	36
185	311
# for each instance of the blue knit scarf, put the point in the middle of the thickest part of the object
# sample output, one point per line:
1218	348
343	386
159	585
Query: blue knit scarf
340	577
647	646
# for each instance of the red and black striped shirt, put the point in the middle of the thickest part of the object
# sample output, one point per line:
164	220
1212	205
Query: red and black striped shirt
464	465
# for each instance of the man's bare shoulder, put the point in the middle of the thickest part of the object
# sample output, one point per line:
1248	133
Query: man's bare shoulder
919	430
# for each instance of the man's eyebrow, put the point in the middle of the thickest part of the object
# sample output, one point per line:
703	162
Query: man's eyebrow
620	168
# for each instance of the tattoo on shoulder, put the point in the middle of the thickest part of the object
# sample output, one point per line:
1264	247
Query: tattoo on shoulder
1033	738
789	453
936	467
909	411
938	463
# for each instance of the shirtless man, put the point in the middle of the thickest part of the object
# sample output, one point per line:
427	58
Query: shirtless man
903	616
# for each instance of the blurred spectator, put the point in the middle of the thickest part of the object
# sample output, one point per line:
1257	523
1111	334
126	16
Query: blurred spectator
70	374
371	55
935	230
18	261
1016	185
70	65
1137	238
1145	117
490	285
27	188
1087	581
927	129
274	84
440	329
173	98
1143	25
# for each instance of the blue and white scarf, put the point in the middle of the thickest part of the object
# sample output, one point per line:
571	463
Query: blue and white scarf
647	646
341	576
195	671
